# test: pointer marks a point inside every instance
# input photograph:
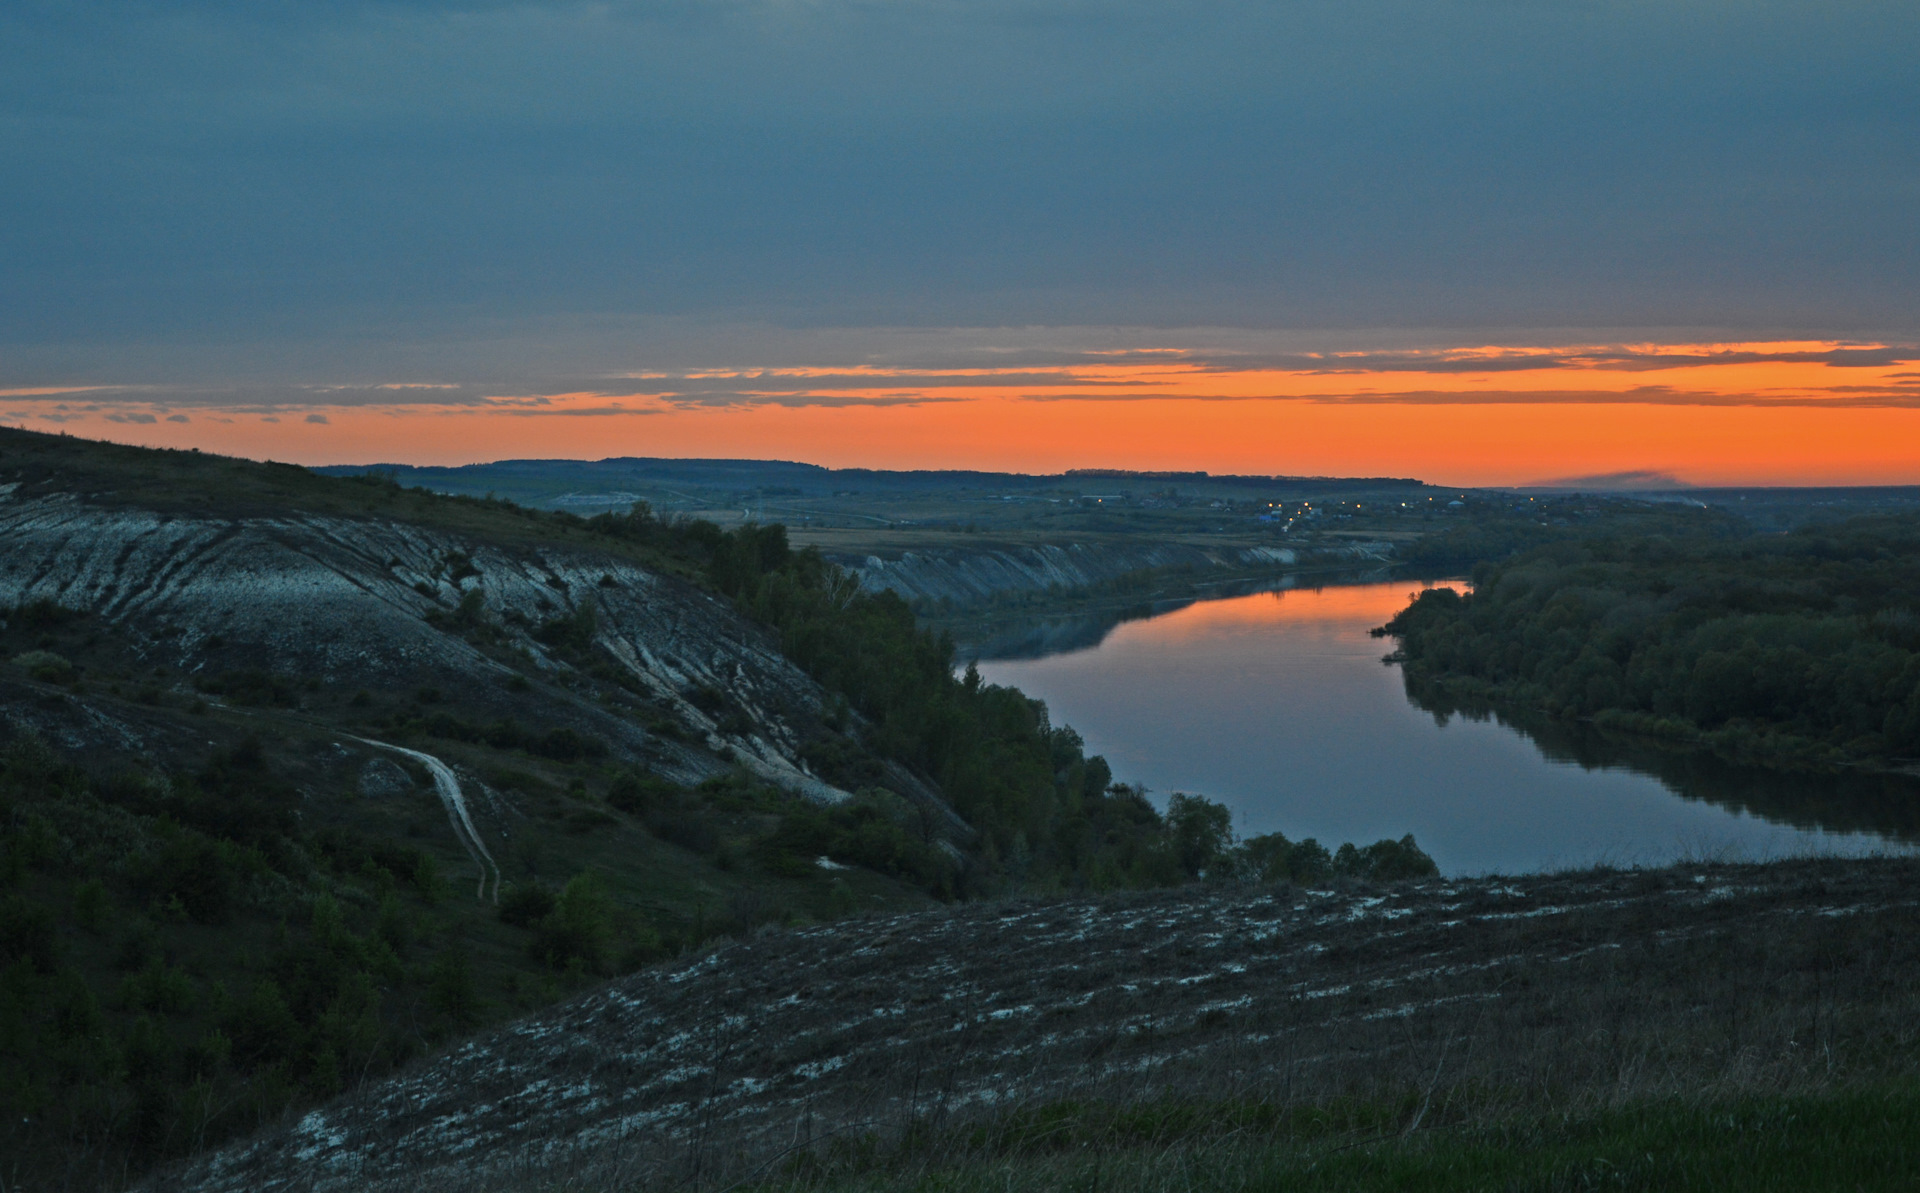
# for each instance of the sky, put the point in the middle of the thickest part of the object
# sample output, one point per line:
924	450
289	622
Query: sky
1474	241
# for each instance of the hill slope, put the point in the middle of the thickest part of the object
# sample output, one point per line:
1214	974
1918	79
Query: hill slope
1450	998
302	777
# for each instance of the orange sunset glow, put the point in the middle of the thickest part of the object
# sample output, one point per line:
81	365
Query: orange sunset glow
1794	412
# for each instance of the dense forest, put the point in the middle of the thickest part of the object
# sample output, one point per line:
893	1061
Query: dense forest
1790	649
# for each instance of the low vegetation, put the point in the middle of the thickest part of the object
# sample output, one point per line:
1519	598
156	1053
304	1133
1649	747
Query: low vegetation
1860	1139
1543	1031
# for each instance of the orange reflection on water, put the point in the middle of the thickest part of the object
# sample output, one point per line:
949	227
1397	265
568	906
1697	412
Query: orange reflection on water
1347	606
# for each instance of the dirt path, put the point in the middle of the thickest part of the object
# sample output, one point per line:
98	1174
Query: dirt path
448	785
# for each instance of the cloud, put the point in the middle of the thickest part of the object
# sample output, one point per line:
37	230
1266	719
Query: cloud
804	397
1325	163
1494	359
178	418
1646	395
579	411
913	367
130	416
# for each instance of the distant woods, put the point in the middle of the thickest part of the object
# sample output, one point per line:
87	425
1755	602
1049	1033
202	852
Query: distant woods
1788	649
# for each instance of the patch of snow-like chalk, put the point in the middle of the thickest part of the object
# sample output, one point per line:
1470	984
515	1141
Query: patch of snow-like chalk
818	1068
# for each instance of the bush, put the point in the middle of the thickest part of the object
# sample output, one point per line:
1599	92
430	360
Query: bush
76	1012
525	904
1273	858
261	1024
159	987
578	927
567	745
27	933
639	793
45	666
451	992
90	905
43	614
572	632
1202	832
669	811
201	873
1386	861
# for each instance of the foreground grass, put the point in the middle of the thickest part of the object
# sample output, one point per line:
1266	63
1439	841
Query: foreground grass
1854	1140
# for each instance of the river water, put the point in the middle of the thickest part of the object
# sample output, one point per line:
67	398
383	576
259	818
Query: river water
1279	705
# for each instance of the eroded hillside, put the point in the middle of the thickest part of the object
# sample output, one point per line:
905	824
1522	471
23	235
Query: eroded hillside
304	777
300	777
387	605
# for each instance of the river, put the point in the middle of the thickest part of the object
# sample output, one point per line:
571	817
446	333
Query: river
1279	705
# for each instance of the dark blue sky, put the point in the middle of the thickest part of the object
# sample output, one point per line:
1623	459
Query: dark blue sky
321	177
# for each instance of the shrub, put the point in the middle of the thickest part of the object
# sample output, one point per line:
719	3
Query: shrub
43	614
26	933
1386	861
203	874
567	745
1202	832
45	666
393	925
571	632
1273	858
667	809
638	793
261	1025
90	905
451	992
159	987
581	821
525	904
76	1012
578	926
1310	862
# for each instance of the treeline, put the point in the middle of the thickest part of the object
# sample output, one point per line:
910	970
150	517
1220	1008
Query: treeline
1494	528
1049	817
1796	648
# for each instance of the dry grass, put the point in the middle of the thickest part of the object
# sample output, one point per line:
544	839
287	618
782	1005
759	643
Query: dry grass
1435	1005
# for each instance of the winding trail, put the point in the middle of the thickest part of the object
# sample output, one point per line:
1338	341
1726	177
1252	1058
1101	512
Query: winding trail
448	786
